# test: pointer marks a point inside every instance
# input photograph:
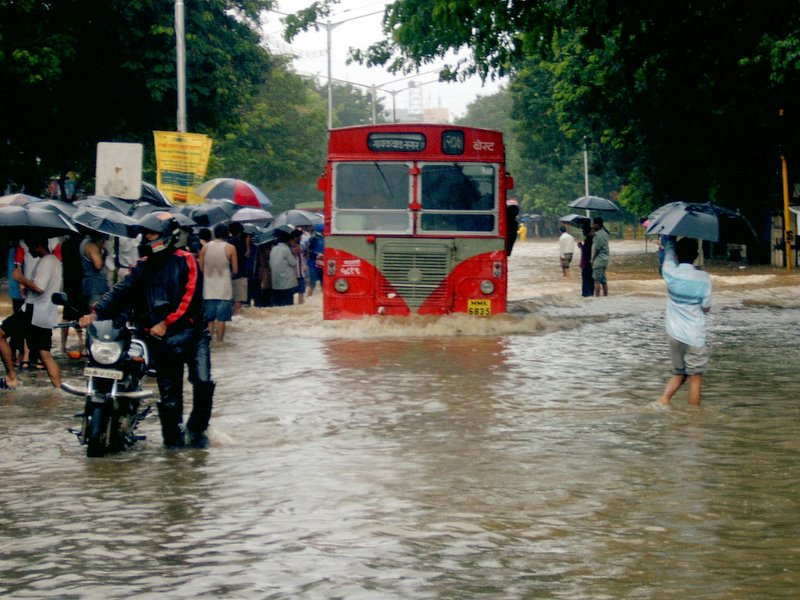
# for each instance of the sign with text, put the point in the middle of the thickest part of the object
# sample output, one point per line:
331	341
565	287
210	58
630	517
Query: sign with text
181	163
119	170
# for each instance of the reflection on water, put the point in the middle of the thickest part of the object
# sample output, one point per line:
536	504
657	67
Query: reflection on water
439	458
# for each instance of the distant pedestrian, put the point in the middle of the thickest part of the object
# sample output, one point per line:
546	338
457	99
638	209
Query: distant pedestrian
566	248
600	253
238	241
688	301
315	257
512	213
72	269
218	261
283	268
38	316
95	274
587	282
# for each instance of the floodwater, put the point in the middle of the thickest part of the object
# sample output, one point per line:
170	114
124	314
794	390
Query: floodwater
520	456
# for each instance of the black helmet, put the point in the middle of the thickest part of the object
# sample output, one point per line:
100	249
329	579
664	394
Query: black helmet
167	228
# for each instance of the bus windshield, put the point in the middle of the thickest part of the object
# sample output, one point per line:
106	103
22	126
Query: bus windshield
372	197
454	198
459	198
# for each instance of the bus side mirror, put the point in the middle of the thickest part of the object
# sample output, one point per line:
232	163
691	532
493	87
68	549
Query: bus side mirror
509	182
321	183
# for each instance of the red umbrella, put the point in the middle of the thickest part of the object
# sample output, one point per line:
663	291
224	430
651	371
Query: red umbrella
237	191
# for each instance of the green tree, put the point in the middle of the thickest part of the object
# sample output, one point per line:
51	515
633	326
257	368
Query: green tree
76	72
680	98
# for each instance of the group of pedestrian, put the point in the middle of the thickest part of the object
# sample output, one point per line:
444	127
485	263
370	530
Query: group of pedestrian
238	271
594	256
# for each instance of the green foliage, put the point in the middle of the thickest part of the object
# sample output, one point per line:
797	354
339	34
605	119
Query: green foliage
678	99
279	141
76	72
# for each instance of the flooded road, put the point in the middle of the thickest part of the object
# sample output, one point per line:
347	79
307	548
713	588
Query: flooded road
514	457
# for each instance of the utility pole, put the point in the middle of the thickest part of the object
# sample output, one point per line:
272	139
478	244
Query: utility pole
180	51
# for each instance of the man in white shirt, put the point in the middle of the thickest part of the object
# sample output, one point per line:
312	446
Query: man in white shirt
36	319
689	299
566	248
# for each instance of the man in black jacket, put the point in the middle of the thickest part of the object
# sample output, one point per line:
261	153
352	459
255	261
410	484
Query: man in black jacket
163	294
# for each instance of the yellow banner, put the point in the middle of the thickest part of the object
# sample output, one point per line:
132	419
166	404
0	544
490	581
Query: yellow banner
181	163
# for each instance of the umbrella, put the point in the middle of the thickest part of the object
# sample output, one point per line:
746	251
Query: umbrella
297	217
574	220
20	221
240	192
17	199
251	215
691	219
143	208
152	195
593	203
59	206
117	204
265	236
184	220
104	220
212	213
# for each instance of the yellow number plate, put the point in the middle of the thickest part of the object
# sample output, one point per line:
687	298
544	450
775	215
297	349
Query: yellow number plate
479	308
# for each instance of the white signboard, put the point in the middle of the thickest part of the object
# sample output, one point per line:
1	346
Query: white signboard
119	170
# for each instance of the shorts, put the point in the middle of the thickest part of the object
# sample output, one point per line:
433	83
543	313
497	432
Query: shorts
19	326
314	277
686	359
218	310
240	289
301	285
599	274
566	259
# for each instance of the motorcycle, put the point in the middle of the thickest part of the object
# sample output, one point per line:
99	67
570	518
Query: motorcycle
115	403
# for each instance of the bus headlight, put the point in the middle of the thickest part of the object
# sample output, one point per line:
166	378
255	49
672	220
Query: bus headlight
331	265
341	285
487	287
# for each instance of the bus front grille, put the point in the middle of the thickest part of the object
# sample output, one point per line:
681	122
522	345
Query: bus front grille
414	274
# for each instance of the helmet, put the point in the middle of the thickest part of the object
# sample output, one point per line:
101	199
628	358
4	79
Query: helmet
167	228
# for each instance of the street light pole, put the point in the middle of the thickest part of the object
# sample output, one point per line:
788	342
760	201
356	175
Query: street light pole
329	28
180	57
586	171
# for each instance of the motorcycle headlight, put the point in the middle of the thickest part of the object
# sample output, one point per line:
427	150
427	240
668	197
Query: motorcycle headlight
105	353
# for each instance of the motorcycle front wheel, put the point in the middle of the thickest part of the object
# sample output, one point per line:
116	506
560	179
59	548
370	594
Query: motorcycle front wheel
97	431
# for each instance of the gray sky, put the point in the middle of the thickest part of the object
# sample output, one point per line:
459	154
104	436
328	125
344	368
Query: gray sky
363	30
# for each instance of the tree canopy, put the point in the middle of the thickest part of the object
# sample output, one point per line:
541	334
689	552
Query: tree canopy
76	72
681	99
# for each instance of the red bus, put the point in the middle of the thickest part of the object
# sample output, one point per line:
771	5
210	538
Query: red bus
415	221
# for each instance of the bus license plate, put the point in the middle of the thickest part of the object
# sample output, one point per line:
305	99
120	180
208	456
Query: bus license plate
479	308
104	373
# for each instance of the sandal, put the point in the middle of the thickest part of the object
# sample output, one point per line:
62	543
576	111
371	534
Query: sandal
25	366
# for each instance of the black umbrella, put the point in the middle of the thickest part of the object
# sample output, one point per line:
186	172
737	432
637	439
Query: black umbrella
117	204
104	220
297	217
699	220
21	221
211	213
143	208
574	220
184	220
65	208
152	195
17	199
593	203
